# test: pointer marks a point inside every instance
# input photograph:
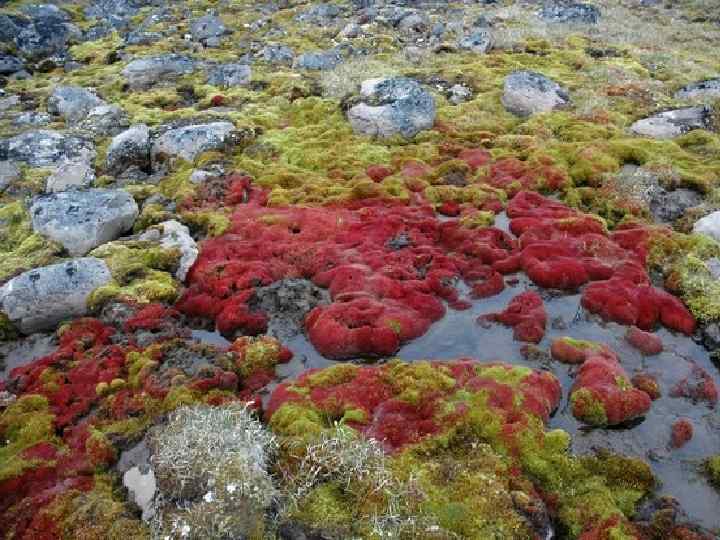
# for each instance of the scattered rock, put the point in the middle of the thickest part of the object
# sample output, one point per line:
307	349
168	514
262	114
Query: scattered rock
146	72
32	118
72	174
82	220
9	173
105	120
319	60
709	225
43	148
478	41
206	28
669	124
73	103
227	75
41	298
129	149
10	64
709	89
189	142
459	94
570	12
277	54
392	106
528	92
173	234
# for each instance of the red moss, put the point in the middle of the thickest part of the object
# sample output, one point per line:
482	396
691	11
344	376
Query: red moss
682	432
698	386
475	157
378	172
648	384
604	379
151	317
526	314
217	101
647	343
571	351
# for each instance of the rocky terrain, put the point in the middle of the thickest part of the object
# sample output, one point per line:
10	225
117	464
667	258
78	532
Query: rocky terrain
359	269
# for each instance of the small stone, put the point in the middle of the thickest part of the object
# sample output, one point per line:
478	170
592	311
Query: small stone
9	173
227	75
528	92
479	41
41	298
208	26
131	148
173	234
570	12
82	220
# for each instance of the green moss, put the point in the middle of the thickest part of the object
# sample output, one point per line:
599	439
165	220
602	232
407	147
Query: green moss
587	408
23	424
326	507
333	375
257	354
415	382
209	222
712	467
293	420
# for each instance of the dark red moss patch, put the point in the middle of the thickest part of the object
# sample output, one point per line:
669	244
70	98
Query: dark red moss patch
682	432
526	314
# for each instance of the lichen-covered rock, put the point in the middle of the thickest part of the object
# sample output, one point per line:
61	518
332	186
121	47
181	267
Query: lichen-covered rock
570	12
9	173
527	92
73	103
228	75
670	124
44	30
701	90
39	299
82	220
207	27
173	234
188	142
105	120
277	54
129	149
10	64
392	106
45	148
146	72
478	41
70	175
318	60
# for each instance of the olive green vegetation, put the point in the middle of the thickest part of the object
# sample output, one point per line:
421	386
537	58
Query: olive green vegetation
712	466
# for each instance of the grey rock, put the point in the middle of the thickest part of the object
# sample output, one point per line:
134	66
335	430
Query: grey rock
70	175
206	27
105	120
32	118
709	225
277	54
227	75
72	102
10	102
9	173
570	12
44	148
709	89
146	72
131	148
82	220
527	92
670	124
10	64
189	142
351	31
319	60
414	24
173	234
45	31
392	106
142	37
668	206
286	303
459	94
320	14
115	12
478	41
41	298
24	351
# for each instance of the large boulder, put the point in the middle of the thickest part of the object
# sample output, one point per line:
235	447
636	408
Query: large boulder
41	298
72	103
189	142
82	220
527	92
146	72
46	148
131	148
670	124
42	31
392	106
709	89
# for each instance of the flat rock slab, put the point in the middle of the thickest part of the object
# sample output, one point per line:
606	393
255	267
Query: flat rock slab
46	148
670	124
83	220
392	106
527	92
146	72
189	142
39	299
